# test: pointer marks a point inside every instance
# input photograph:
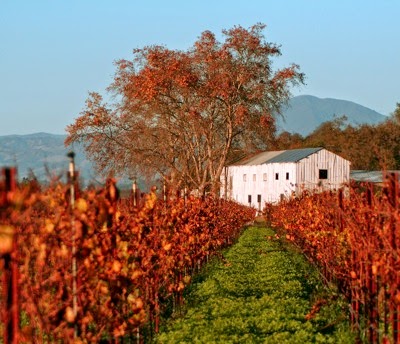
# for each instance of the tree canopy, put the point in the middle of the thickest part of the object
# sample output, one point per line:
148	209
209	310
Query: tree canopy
185	114
367	147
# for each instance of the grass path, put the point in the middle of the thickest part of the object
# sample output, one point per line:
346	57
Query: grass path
260	293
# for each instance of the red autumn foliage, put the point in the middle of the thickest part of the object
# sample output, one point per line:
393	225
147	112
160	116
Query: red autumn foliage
128	259
355	240
230	86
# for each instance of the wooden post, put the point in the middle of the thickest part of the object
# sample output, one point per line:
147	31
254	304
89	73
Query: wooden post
391	190
10	273
226	182
341	209
71	156
165	193
394	191
134	192
372	294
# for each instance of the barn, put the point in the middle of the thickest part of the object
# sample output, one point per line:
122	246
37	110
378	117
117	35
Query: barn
273	175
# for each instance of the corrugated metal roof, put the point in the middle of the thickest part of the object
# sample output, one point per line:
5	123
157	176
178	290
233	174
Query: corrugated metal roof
370	176
291	155
294	155
258	159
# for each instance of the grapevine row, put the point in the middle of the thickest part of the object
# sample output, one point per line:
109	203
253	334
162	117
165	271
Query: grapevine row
131	261
354	237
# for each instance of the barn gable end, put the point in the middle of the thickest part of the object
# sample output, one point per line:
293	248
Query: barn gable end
271	176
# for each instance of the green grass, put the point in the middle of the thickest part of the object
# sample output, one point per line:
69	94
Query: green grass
260	293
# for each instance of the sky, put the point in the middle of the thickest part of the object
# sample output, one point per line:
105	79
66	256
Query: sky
54	52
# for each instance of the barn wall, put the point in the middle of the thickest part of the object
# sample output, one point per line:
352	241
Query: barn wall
308	170
270	190
282	187
303	174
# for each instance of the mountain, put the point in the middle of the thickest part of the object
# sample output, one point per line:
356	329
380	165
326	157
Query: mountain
305	113
32	153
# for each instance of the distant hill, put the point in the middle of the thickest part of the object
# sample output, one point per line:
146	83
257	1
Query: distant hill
31	153
34	152
45	156
305	113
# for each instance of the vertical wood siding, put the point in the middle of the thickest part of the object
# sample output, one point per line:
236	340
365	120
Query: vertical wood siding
308	172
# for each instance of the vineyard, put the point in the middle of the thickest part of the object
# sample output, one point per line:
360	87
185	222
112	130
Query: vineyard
85	266
353	237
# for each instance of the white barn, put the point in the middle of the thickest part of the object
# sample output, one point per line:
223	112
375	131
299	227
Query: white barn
273	175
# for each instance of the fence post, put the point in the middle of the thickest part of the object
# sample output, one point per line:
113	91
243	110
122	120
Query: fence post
71	175
165	194
134	192
393	196
185	196
10	273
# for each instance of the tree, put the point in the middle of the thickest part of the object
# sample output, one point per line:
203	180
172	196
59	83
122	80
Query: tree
368	147
183	114
395	116
328	134
286	140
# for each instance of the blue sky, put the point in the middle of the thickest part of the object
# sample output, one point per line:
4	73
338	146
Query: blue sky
53	52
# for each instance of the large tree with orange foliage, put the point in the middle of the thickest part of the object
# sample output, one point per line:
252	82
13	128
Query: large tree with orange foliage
181	113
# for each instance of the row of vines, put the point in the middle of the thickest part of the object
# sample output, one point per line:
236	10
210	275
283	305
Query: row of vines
354	238
101	269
